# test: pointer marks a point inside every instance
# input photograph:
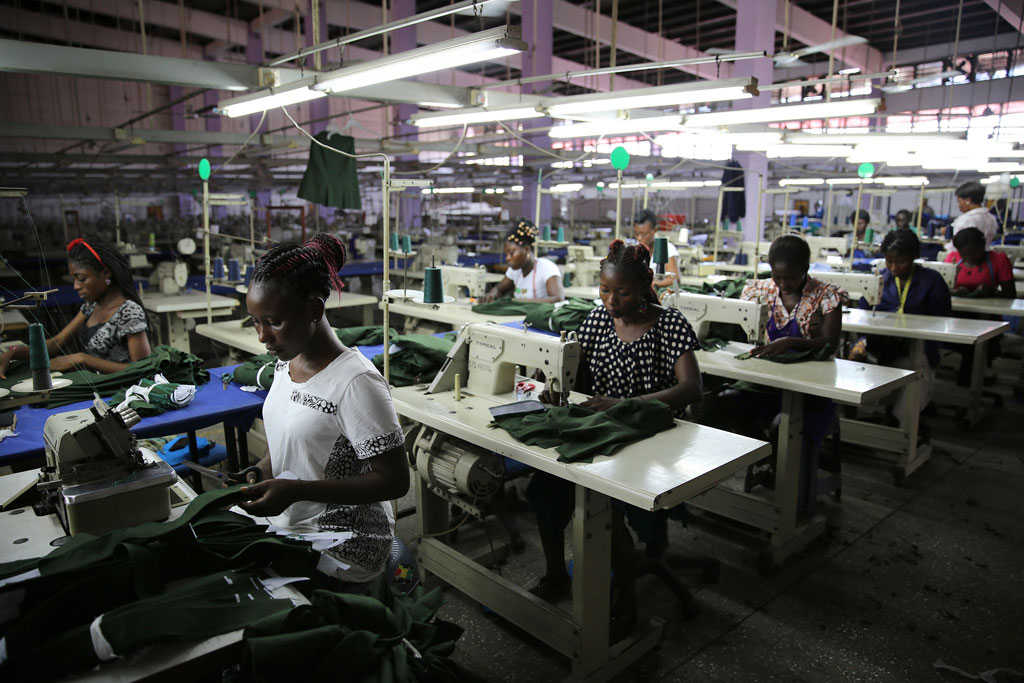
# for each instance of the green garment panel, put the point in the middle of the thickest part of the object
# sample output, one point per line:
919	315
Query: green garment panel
371	638
330	178
824	353
564	317
369	335
730	289
418	359
578	434
161	397
177	366
257	371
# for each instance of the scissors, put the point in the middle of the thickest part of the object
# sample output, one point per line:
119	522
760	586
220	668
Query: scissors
217	475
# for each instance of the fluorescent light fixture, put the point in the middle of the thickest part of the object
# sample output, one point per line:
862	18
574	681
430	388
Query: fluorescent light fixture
661	96
268	98
439	105
477	47
837	137
792	112
797	151
847	181
617	127
625	186
801	181
566	187
448	190
903	181
953	164
1001	167
516	188
473	115
712	183
670	184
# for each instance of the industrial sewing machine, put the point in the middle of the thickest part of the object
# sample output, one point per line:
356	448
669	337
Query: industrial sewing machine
819	245
857	285
473	278
703	309
946	270
170	276
586	268
96	478
431	254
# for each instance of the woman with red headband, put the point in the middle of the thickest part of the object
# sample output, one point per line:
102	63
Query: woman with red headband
110	326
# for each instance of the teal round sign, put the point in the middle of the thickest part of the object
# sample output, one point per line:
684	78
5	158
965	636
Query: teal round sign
1015	182
650	176
620	158
866	170
204	168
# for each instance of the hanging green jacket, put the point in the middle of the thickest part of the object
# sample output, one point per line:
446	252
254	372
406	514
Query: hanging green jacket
330	178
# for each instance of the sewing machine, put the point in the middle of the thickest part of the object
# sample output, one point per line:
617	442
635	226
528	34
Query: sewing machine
946	270
96	478
703	309
485	357
857	285
430	254
821	244
170	276
586	268
365	247
473	278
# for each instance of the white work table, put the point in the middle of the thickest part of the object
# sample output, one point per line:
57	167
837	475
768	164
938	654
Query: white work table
456	314
582	292
177	308
656	473
12	319
231	333
839	380
364	301
989	306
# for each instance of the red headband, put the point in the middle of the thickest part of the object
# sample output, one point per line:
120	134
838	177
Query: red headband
79	240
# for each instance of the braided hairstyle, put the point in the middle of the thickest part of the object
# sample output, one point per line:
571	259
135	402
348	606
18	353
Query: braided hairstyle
634	259
96	256
523	234
308	270
903	242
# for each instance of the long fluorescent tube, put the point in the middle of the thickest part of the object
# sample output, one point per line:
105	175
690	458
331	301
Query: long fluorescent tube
797	151
847	181
662	96
268	98
474	115
792	112
478	47
566	187
903	181
839	138
448	190
617	127
801	181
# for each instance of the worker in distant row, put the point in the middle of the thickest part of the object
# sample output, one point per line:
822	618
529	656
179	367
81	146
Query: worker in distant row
645	229
110	326
970	198
980	272
903	219
528	277
861	219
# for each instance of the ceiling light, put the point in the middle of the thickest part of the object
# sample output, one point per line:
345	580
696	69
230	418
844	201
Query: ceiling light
835	136
1001	167
617	127
903	181
516	188
661	96
796	151
477	47
566	187
448	190
801	181
473	115
669	184
268	98
792	112
846	181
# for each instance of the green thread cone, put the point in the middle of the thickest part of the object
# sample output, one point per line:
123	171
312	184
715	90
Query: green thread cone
661	250
433	287
394	241
38	358
547	233
406	243
561	234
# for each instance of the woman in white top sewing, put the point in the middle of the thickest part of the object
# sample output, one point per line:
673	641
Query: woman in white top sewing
645	229
528	278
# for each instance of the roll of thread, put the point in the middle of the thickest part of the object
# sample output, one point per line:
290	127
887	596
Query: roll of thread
807	222
218	267
38	358
792	220
406	243
233	269
152	240
739	226
561	234
394	241
869	235
741	260
547	233
433	287
249	270
661	250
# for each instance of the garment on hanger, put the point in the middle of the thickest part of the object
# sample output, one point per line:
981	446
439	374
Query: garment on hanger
734	204
330	178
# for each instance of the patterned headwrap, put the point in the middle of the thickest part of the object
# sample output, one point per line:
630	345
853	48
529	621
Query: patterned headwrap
524	234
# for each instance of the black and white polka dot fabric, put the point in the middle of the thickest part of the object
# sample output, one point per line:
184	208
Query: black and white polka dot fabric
625	370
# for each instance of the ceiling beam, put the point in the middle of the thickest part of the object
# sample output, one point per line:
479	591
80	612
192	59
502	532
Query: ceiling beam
1012	11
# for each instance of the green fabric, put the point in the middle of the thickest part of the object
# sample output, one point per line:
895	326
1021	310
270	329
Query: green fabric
330	178
824	353
371	638
257	371
418	359
730	289
177	366
713	344
563	317
370	335
161	397
578	434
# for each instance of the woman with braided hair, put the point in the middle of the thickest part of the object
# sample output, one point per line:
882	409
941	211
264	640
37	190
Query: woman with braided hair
111	324
631	348
527	277
334	446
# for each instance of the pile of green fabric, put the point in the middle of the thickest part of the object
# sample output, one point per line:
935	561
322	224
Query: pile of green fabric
257	371
154	396
369	335
564	316
417	358
578	434
175	365
730	288
793	356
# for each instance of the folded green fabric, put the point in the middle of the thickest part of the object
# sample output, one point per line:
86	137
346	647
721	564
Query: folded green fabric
155	396
578	434
730	289
824	353
257	371
564	316
418	358
369	335
175	365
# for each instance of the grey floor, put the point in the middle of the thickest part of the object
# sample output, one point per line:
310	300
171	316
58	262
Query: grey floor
904	577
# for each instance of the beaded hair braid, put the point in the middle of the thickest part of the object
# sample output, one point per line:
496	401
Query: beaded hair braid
524	234
311	269
635	259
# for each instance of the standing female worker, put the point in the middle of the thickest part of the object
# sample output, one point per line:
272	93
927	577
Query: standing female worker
335	458
645	229
528	278
111	324
631	348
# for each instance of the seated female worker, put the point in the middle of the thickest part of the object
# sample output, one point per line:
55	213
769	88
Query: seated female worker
980	272
528	278
111	324
630	348
645	229
861	220
335	457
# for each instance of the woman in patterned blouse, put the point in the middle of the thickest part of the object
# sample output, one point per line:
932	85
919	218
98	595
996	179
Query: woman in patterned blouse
631	348
110	326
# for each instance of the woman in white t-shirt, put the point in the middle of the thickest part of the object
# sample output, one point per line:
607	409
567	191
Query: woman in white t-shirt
645	229
334	446
528	278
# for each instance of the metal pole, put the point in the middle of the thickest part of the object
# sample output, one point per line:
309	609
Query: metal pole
618	205
536	211
856	217
117	219
386	197
758	231
206	248
828	212
920	210
718	223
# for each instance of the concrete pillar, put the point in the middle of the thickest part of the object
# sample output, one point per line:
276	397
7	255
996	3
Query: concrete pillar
401	41
755	30
538	31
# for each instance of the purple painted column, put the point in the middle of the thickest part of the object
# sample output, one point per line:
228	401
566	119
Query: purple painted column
401	41
538	31
755	30
186	205
319	108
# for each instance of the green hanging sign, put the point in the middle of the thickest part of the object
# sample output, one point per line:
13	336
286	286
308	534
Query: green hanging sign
620	158
866	170
204	169
1015	182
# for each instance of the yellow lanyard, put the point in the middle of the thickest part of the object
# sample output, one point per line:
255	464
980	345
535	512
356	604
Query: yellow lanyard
904	291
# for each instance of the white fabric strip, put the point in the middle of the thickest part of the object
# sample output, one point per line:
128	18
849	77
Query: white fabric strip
100	645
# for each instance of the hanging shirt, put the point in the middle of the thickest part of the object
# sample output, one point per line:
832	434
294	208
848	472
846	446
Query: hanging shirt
109	340
533	285
327	428
996	270
816	300
925	294
978	218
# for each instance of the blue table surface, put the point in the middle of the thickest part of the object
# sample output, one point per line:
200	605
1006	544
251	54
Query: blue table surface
212	405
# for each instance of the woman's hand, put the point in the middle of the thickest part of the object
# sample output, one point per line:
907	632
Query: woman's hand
961	291
985	290
600	402
5	360
72	361
487	297
773	348
268	498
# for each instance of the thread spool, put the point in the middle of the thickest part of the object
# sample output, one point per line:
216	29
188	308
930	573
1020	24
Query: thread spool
233	270
38	358
218	268
152	240
792	220
406	243
547	233
869	235
433	287
807	222
739	225
394	241
561	234
660	255
249	270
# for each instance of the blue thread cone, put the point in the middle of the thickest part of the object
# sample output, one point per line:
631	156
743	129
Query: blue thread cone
433	287
38	358
249	270
218	268
233	270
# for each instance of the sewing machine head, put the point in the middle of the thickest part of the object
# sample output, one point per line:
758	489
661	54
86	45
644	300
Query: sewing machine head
96	477
585	267
470	277
946	270
485	357
857	285
171	276
703	309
